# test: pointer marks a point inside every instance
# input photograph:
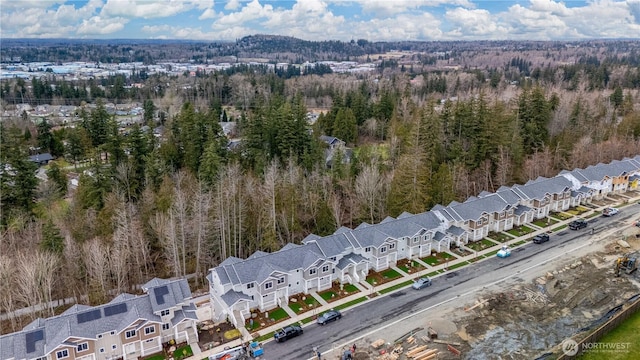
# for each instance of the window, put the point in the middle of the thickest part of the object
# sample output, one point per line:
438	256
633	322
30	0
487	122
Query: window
99	336
392	246
165	312
150	340
383	250
250	286
62	354
416	239
367	249
325	268
113	332
313	271
281	280
166	326
149	330
101	350
130	333
268	285
83	347
113	347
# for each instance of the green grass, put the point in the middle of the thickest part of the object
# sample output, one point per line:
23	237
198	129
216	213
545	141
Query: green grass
307	320
521	242
328	295
183	352
434	273
491	253
559	228
156	357
481	245
265	337
626	332
446	255
390	274
296	307
520	231
564	215
458	265
350	288
545	222
350	303
278	314
310	300
396	287
499	237
430	260
414	265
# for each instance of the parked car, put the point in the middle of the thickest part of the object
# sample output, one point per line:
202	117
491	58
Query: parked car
423	282
504	252
610	211
329	316
287	333
542	238
578	224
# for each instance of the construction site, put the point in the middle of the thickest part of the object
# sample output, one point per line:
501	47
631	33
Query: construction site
527	317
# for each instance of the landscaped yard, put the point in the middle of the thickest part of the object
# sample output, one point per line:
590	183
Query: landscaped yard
437	258
335	293
376	278
183	352
500	237
461	251
482	244
269	318
565	215
520	231
301	303
410	266
156	357
545	222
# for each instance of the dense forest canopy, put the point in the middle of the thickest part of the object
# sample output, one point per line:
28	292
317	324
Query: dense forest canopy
180	203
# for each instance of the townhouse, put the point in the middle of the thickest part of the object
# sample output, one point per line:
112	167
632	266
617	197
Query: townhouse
265	281
128	327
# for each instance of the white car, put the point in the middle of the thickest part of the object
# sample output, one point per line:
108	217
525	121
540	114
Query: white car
610	211
423	282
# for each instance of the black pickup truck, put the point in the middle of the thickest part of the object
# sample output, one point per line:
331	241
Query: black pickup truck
578	224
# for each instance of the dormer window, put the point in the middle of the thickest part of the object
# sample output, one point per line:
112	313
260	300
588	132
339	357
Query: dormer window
250	286
165	312
367	249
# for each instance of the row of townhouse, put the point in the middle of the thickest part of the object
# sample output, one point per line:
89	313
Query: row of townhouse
267	280
128	327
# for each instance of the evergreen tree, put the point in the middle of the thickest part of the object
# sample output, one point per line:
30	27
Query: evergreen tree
51	239
58	176
45	138
345	127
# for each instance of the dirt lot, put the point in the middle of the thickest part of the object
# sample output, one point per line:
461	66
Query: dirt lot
527	318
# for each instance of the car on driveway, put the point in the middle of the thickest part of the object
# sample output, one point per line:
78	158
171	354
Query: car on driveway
541	238
610	211
329	316
423	282
287	333
578	224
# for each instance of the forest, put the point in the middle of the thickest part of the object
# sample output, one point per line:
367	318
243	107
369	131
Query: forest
179	204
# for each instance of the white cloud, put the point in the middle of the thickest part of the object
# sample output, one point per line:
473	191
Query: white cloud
391	7
97	25
232	5
208	14
152	9
29	4
474	23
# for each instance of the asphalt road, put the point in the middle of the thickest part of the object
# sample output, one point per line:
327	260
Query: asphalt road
451	288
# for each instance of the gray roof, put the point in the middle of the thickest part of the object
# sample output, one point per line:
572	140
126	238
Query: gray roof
258	269
539	188
41	157
350	259
404	215
398	229
521	209
232	297
456	231
168	295
44	335
601	171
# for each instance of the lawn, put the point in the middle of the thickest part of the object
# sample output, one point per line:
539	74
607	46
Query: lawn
564	215
520	231
545	222
273	316
438	258
310	300
452	267
626	332
396	287
350	288
410	266
267	336
482	244
491	253
328	295
559	228
183	352
351	303
390	274
296	307
156	357
500	237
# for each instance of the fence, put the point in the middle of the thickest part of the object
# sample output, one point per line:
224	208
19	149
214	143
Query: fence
605	328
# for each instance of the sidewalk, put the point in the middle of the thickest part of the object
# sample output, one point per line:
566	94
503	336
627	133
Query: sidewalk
374	291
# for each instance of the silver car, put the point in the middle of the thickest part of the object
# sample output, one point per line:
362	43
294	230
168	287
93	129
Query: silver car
423	282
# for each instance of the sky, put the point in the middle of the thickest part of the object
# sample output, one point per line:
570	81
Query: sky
373	20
